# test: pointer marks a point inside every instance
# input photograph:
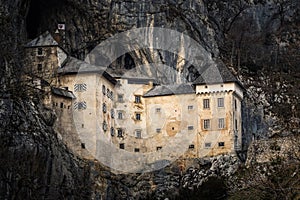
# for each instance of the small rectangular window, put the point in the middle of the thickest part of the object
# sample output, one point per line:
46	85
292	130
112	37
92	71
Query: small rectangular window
111	95
221	123
83	145
138	116
40	67
220	102
120	115
236	124
120	132
138	134
235	104
190	127
120	98
206	103
40	51
104	126
207	145
108	93
190	107
61	105
122	146
206	124
112	131
136	150
158	110
112	113
104	108
137	99
191	146
221	144
158	130
158	148
103	89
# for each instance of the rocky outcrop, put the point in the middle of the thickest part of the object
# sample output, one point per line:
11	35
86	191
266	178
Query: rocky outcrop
34	163
257	39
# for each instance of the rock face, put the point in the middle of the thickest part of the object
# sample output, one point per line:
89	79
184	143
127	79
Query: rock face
258	39
34	163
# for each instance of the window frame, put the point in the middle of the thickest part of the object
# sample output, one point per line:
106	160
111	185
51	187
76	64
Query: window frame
120	114
40	51
221	123
206	124
221	144
104	108
206	104
220	102
138	134
137	99
138	116
120	132
120	98
103	89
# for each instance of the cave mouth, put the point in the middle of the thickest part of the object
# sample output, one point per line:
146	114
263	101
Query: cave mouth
33	19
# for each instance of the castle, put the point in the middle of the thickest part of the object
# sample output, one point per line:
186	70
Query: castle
135	114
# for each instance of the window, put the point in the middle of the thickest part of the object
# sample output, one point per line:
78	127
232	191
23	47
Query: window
190	127
61	105
108	93
40	51
111	95
104	107
138	116
112	113
191	146
80	105
122	146
221	123
112	131
206	124
103	89
236	124
82	125
190	107
136	150
120	115
158	148
235	105
221	144
206	103
158	130
120	132
104	126
157	110
83	145
138	134
120	97
207	145
220	102
80	87
137	99
40	67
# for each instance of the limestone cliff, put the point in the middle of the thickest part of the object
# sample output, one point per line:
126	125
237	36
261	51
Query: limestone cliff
258	40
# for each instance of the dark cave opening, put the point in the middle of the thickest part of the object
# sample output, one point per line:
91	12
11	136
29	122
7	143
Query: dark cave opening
33	19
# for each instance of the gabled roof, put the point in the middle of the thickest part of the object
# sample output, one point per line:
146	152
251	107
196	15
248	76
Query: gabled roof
165	90
75	66
218	73
43	40
63	93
